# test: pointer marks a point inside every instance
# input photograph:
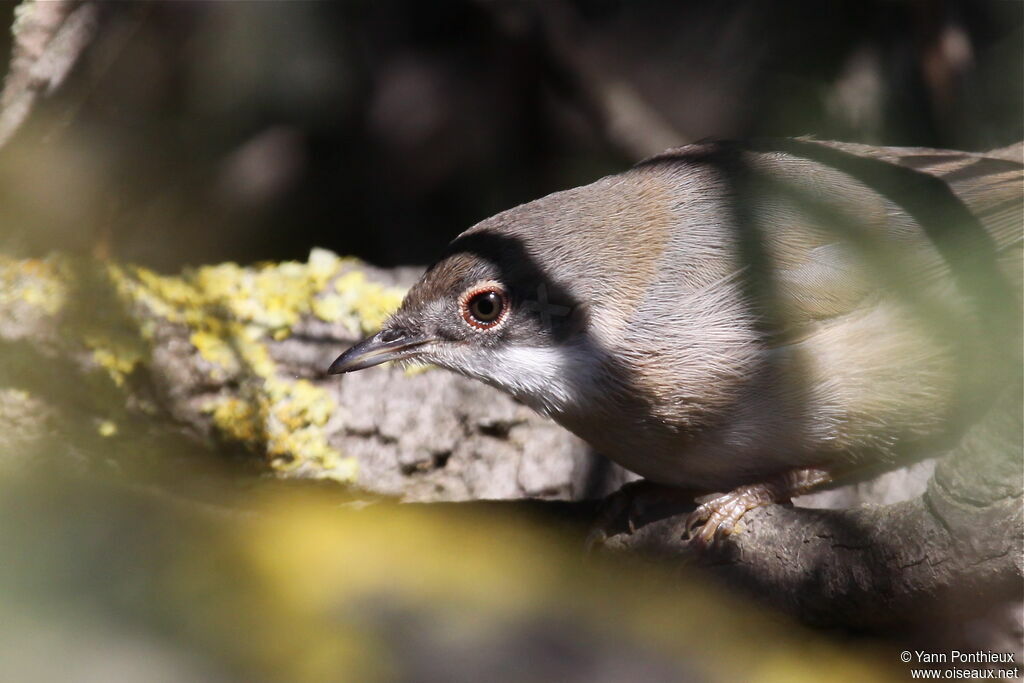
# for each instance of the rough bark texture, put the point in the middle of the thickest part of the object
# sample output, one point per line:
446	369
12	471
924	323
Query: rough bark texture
235	359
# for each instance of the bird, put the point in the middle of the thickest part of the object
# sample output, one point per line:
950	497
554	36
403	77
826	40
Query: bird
747	319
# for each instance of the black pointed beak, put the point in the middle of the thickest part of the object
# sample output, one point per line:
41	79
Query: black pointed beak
382	347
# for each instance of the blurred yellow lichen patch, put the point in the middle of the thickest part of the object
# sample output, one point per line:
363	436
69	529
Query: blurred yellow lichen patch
36	282
233	313
117	353
237	419
483	576
215	349
288	584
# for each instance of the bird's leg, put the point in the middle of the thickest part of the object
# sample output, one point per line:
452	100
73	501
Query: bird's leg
719	514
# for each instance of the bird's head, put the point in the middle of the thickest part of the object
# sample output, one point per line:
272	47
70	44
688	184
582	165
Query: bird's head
489	311
538	300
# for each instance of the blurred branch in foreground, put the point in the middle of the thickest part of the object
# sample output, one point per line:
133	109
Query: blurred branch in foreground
121	585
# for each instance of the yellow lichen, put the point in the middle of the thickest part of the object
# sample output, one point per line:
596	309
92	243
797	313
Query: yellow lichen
297	412
107	428
233	312
44	285
367	304
118	354
237	419
36	282
216	351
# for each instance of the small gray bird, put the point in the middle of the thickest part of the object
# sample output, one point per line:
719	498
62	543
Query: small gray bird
759	318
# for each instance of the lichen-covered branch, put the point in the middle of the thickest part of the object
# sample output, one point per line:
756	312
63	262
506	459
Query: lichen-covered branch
237	357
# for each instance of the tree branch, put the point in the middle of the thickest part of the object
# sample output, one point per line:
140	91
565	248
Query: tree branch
954	550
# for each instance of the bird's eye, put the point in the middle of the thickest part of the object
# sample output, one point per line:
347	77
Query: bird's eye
484	307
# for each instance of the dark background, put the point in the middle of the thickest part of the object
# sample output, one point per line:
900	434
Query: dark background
201	132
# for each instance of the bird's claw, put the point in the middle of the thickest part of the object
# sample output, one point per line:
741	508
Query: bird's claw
715	519
719	515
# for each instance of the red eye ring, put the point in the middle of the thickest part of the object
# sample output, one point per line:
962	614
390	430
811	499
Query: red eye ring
484	307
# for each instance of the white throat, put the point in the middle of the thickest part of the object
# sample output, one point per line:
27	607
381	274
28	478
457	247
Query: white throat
550	380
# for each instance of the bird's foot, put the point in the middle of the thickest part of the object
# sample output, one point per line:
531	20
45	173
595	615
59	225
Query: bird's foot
632	506
718	515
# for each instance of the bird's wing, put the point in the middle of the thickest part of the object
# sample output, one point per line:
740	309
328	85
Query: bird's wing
834	236
990	184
